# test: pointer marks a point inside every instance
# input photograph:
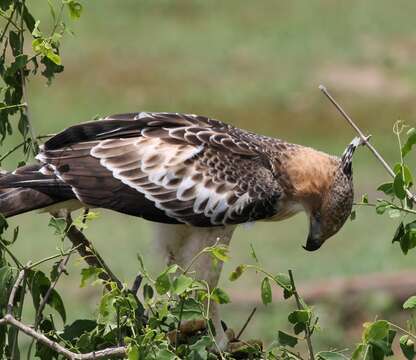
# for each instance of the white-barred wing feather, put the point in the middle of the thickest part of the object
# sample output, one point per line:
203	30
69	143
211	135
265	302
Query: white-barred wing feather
167	167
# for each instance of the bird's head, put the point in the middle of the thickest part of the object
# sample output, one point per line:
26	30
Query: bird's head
329	213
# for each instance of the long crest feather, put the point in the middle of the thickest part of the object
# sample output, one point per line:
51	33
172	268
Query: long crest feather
346	159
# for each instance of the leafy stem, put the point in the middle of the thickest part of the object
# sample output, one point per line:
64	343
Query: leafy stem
301	307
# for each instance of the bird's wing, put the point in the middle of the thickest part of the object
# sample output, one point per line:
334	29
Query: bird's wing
166	167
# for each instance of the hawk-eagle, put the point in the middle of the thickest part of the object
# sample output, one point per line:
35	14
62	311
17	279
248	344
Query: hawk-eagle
197	177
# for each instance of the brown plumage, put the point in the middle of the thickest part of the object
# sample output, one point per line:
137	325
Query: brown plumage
177	168
185	169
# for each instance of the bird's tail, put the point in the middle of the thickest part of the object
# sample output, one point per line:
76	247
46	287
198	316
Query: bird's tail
16	198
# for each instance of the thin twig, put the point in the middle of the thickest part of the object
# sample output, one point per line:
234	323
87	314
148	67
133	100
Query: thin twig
363	137
301	307
15	342
12	106
14	291
246	323
49	258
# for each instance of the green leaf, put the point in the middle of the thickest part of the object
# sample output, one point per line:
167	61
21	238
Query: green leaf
18	63
75	9
358	351
14	40
39	285
6	282
50	69
266	291
164	354
188	309
410	303
220	252
162	283
54	57
199	348
90	274
77	328
407	346
237	272
133	352
406	235
378	349
28	19
283	280
299	316
399	233
364	199
181	284
382	206
405	171
299	327
386	188
55	301
399	186
147	292
377	330
220	296
407	174
106	309
411	140
286	339
330	355
58	224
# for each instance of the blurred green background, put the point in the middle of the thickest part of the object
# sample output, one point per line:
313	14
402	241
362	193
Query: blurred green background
256	65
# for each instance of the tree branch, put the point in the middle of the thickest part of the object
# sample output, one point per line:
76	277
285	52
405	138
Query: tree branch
363	138
109	352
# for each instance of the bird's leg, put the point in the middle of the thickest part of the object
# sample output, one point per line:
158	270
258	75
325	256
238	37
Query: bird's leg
181	244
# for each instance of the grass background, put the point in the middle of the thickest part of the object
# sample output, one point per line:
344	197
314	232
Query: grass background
257	66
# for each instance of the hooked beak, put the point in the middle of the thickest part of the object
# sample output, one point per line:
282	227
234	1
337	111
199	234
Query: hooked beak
314	241
312	244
